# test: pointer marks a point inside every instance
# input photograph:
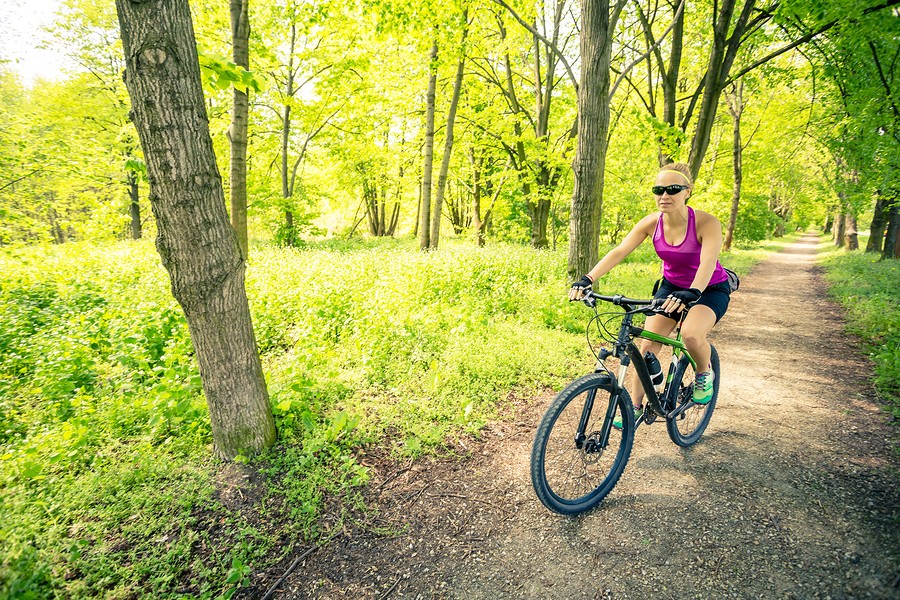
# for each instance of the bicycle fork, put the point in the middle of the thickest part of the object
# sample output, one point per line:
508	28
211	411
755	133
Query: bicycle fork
595	444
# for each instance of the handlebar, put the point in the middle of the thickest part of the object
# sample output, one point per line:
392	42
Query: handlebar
590	298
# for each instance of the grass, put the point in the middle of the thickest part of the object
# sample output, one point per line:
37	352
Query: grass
106	486
869	290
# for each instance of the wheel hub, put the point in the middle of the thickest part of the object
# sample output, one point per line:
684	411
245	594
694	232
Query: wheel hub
591	452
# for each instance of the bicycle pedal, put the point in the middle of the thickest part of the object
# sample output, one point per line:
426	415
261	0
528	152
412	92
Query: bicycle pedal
649	415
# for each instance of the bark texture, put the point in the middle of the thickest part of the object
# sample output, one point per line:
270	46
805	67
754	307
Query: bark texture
134	207
196	242
425	208
879	223
736	109
448	148
593	125
240	114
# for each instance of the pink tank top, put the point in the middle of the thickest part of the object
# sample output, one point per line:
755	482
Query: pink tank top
680	263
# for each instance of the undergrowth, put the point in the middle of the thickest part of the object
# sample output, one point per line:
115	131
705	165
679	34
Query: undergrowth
869	290
106	486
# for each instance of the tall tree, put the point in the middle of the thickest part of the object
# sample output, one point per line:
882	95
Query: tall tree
537	155
240	114
428	164
197	244
448	141
735	109
598	21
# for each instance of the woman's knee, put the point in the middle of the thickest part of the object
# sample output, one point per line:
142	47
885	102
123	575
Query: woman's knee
693	337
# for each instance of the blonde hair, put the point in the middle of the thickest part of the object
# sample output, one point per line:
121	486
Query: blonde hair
680	168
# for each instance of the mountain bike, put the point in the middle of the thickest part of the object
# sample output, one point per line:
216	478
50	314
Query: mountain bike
584	439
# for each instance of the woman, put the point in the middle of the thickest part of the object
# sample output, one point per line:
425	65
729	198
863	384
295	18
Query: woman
688	241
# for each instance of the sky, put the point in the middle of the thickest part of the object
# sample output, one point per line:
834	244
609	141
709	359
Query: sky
20	36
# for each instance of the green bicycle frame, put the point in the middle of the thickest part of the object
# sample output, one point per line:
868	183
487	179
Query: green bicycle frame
627	352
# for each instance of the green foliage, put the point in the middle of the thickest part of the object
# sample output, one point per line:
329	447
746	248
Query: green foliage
104	431
867	288
218	72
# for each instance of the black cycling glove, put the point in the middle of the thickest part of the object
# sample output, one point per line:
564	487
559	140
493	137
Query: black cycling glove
584	283
687	296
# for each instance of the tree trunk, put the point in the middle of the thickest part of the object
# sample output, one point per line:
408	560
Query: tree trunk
829	223
134	207
240	114
840	222
448	146
736	109
593	124
851	241
286	191
721	58
425	212
892	239
879	222
539	211
195	240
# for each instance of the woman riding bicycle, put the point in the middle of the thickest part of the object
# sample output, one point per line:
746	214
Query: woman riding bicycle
688	242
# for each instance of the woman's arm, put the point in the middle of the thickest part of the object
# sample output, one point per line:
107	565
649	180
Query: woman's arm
709	234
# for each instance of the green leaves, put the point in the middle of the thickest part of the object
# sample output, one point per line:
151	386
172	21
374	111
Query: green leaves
221	73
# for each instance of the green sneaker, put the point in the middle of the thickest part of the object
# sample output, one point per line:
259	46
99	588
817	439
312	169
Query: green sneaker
703	387
638	411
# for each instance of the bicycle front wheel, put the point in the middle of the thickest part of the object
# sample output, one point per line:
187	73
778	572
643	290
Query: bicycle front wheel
572	468
687	427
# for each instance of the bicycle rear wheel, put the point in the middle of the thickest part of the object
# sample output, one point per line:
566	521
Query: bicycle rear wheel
571	476
686	428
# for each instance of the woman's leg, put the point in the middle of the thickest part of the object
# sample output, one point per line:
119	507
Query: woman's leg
656	324
697	325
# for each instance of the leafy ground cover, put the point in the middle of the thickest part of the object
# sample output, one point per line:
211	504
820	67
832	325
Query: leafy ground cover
869	289
106	488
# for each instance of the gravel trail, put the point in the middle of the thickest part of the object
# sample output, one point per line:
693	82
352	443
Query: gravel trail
793	491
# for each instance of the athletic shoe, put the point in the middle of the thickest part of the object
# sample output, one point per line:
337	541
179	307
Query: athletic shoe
703	387
638	411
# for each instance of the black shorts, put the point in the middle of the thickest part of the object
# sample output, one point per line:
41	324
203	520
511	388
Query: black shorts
716	297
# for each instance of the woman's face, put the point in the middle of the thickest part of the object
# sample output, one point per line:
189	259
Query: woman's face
668	202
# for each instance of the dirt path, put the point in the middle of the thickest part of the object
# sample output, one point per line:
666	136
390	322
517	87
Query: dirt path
788	495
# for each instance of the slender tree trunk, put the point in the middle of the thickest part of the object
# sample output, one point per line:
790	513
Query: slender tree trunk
425	212
134	207
736	109
197	244
286	191
593	124
448	146
477	222
670	81
240	114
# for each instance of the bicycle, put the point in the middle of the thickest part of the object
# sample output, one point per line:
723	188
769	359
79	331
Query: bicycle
578	453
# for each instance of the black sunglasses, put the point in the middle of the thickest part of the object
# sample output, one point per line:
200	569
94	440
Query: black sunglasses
669	189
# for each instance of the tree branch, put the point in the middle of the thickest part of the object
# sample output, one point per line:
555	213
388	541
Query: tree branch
15	181
647	53
549	44
887	87
803	40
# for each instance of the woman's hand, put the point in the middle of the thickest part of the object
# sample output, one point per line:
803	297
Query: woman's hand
580	287
677	301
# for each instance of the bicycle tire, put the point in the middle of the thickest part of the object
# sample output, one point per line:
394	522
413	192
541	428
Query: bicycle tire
567	479
685	429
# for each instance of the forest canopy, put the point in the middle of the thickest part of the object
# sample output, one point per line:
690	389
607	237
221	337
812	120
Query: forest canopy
787	113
